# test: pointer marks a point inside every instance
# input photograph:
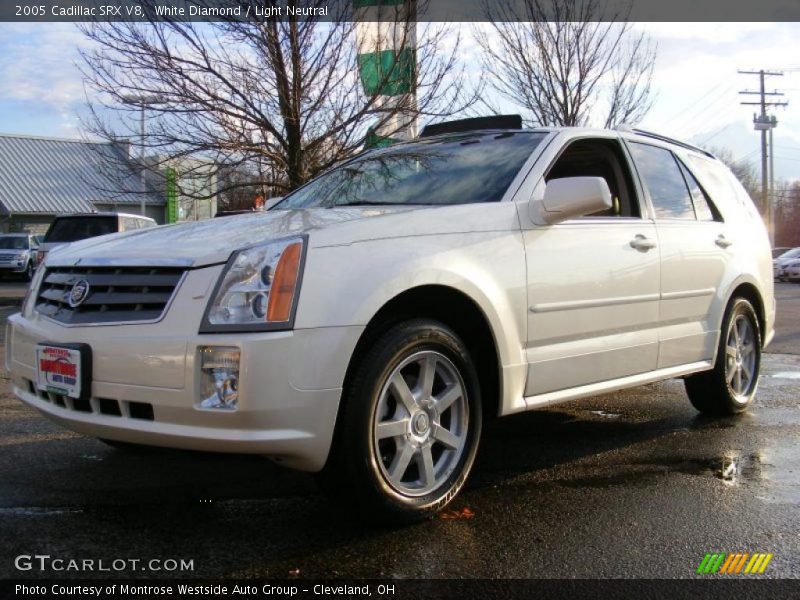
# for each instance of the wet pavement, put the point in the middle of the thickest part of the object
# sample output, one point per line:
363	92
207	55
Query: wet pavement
631	484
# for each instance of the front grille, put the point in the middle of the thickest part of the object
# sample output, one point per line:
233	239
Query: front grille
116	294
8	257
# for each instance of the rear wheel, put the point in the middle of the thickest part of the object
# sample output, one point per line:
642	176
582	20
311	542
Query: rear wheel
409	427
729	388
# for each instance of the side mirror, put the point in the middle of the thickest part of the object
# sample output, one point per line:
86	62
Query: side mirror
571	197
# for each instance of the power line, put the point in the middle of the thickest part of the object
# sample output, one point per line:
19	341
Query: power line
690	117
695	103
716	133
745	157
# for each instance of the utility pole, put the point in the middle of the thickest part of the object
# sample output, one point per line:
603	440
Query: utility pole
764	124
143	101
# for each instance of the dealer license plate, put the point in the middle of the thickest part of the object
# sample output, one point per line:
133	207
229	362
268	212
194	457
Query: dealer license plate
58	370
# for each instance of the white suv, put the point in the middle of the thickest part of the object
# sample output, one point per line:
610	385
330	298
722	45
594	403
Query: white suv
365	327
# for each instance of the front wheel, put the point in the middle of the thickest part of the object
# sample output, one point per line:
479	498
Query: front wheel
729	388
409	427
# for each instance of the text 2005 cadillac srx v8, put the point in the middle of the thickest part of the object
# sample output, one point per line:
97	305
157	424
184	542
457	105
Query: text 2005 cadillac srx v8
367	326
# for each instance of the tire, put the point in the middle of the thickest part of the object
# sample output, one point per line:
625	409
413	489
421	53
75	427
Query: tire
29	270
729	388
400	454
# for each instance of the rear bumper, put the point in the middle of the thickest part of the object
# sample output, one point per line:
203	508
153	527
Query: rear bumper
146	388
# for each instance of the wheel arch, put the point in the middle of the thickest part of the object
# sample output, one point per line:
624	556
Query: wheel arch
749	291
458	311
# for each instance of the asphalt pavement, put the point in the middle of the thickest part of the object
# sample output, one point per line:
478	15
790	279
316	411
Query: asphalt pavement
630	484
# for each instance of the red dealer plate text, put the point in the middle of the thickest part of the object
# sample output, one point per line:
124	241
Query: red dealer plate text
58	370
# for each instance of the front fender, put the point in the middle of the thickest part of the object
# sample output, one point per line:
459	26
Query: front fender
347	285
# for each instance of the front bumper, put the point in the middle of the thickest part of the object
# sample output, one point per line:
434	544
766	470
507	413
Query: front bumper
146	383
13	267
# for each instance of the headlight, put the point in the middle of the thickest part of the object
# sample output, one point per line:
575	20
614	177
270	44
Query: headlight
258	289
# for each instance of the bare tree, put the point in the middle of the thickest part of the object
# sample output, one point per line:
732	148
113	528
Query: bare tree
275	100
565	66
787	211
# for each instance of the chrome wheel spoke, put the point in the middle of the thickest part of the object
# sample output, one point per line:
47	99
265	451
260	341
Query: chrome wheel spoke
731	372
730	351
427	372
445	436
401	461
388	429
450	395
737	383
403	393
425	464
747	371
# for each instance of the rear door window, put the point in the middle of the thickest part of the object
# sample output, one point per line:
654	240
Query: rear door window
662	177
702	205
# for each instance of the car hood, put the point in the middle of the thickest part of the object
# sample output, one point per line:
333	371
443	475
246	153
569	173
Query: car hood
212	241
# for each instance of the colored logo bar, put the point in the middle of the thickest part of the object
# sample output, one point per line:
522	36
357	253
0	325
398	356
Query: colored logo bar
734	563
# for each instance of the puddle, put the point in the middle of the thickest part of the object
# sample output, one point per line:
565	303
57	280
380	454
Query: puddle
772	473
785	375
607	415
731	470
37	511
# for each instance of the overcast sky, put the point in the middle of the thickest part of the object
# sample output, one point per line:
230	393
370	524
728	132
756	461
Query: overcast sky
695	82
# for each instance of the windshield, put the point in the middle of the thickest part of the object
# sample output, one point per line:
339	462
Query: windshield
793	253
72	229
13	243
463	169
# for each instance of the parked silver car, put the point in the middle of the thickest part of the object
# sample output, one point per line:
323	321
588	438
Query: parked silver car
18	254
779	264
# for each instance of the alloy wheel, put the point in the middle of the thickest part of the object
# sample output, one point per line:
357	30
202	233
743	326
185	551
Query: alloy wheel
421	423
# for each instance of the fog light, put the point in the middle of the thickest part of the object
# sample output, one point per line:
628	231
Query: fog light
219	374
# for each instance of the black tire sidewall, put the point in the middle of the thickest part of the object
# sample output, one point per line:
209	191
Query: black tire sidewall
388	352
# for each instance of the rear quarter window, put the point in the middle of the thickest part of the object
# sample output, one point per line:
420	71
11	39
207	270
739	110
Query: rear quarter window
727	194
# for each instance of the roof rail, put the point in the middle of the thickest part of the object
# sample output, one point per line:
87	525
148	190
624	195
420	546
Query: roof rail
473	124
664	138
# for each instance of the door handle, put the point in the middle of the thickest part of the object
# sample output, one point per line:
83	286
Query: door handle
642	243
722	241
